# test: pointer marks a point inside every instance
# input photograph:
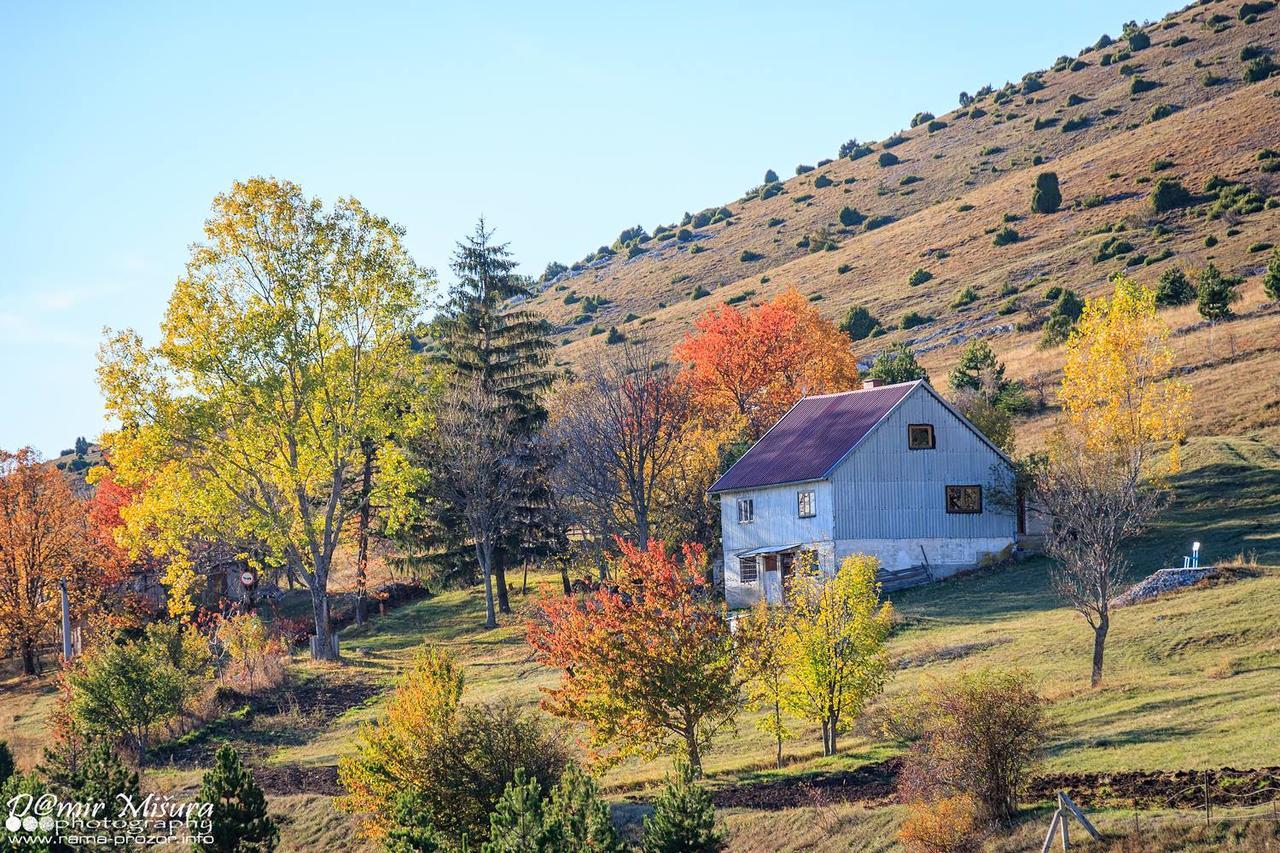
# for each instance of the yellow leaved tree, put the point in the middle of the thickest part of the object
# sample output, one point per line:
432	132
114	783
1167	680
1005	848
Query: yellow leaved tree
836	658
761	640
1104	480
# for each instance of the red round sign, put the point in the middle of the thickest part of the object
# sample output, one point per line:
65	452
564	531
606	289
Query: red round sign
247	578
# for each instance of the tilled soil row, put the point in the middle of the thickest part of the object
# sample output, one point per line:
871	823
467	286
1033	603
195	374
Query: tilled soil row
877	782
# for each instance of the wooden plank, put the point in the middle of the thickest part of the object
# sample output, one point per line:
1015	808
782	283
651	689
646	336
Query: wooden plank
1053	831
1075	810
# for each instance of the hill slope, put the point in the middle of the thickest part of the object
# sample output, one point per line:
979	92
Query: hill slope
952	188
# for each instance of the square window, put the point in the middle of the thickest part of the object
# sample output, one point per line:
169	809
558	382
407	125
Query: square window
964	499
920	437
746	510
748	572
805	504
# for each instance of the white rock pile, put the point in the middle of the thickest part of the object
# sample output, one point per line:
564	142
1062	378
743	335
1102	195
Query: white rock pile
1164	580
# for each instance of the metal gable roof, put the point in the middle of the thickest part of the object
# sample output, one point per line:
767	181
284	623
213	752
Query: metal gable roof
812	437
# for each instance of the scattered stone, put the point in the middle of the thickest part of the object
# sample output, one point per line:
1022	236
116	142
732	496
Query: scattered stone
1164	580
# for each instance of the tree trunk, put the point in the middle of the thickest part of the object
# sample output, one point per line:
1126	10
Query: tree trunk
484	553
826	739
1099	641
30	660
831	737
500	578
362	548
777	728
692	753
564	576
324	632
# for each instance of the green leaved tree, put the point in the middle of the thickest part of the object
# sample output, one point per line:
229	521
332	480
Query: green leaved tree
241	823
281	355
1214	294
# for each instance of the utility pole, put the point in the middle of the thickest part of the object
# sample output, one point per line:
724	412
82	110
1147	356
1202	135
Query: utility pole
66	620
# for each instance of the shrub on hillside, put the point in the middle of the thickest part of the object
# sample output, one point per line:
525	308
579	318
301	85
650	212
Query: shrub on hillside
683	819
770	176
459	758
1138	85
1005	236
859	324
912	319
1160	111
1215	293
1250	9
1076	123
967	296
822	182
1260	69
935	126
803	169
1046	197
1271	280
896	139
919	277
1170	194
878	221
887	159
981	733
944	825
850	217
921	118
748	256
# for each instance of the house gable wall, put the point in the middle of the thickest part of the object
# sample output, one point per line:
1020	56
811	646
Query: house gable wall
885	491
776	523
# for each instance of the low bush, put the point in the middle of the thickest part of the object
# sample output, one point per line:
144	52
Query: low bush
943	825
919	277
1160	111
878	221
850	217
1174	288
887	159
1005	236
1260	69
1046	197
920	118
1170	194
935	126
749	256
802	169
859	324
822	182
912	319
966	296
1139	85
981	732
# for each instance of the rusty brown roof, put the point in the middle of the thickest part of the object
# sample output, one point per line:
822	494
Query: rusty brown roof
812	437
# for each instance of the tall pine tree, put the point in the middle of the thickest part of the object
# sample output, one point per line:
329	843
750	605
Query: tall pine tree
484	340
240	820
89	773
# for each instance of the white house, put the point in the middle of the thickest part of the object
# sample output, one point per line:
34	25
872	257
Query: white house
890	470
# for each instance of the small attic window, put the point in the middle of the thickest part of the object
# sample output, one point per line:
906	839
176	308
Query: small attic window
920	437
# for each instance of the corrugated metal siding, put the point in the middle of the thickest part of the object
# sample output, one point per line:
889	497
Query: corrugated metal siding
885	491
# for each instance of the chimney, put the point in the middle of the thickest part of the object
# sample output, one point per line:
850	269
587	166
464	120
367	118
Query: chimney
872	383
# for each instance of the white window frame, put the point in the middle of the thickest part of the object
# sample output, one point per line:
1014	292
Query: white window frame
746	510
806	498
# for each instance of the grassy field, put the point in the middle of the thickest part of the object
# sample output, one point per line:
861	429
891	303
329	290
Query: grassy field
1192	679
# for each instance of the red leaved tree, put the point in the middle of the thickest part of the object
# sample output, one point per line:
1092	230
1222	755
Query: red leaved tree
647	664
755	364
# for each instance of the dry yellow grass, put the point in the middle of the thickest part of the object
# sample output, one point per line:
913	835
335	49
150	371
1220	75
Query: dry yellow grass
1218	130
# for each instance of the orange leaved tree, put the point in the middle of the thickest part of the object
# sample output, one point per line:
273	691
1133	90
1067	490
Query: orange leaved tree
648	664
42	541
756	363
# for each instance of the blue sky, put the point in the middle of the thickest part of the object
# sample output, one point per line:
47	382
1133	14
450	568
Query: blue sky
561	123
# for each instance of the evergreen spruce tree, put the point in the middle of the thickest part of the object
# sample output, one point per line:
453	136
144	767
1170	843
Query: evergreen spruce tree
484	339
1214	294
240	819
1174	288
683	819
897	364
89	773
411	830
1271	281
517	825
1046	197
18	784
580	816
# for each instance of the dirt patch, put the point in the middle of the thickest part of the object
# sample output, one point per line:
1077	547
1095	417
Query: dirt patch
297	779
870	783
1224	787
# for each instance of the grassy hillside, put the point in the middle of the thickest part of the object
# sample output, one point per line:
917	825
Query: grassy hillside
954	186
1191	679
